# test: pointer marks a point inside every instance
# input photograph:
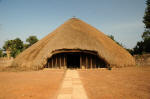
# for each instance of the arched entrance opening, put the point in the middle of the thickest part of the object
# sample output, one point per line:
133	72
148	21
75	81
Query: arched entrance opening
75	59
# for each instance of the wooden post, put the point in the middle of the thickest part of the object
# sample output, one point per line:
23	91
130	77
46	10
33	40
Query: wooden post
86	62
48	63
94	62
65	62
91	62
56	65
81	62
52	62
60	62
97	64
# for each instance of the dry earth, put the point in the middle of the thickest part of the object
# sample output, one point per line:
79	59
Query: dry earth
123	83
42	84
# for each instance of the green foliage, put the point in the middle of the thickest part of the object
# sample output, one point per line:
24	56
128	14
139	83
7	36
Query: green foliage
4	54
146	17
131	51
138	49
112	37
31	40
15	46
1	53
144	45
146	34
25	46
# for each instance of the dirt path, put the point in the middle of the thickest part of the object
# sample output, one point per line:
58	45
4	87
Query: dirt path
72	87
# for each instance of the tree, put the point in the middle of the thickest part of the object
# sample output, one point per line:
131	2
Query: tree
138	49
131	51
31	40
146	17
15	46
25	46
144	45
1	53
112	37
146	33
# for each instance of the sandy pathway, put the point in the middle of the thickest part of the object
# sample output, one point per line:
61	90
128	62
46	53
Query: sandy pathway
72	87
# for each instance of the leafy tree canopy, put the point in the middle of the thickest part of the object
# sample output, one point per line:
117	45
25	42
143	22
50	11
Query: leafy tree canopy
146	17
1	53
144	45
14	46
31	40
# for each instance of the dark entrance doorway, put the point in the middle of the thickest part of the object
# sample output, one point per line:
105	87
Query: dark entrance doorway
82	59
73	60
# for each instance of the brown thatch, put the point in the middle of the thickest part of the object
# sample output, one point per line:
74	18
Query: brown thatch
74	34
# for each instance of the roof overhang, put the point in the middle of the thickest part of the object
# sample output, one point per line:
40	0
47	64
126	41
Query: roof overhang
73	51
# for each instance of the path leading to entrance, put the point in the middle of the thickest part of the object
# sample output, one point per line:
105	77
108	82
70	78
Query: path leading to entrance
72	87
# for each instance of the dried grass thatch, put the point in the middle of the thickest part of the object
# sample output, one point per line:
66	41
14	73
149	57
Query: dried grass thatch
74	34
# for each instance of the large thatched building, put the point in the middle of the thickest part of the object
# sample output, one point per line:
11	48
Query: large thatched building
75	44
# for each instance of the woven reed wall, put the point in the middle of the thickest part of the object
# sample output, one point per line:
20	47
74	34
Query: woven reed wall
6	62
142	60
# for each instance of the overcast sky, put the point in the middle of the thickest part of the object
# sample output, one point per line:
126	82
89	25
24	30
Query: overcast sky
120	18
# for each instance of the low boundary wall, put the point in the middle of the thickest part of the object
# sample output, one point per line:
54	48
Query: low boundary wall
142	60
6	62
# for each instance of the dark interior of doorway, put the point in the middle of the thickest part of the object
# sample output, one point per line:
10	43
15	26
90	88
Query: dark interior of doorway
73	60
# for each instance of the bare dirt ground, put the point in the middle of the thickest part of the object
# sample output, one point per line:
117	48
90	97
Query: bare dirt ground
123	83
43	84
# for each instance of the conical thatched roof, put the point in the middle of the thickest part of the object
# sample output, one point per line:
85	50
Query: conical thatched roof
74	34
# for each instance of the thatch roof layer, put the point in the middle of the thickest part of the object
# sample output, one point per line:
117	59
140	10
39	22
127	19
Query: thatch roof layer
74	34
